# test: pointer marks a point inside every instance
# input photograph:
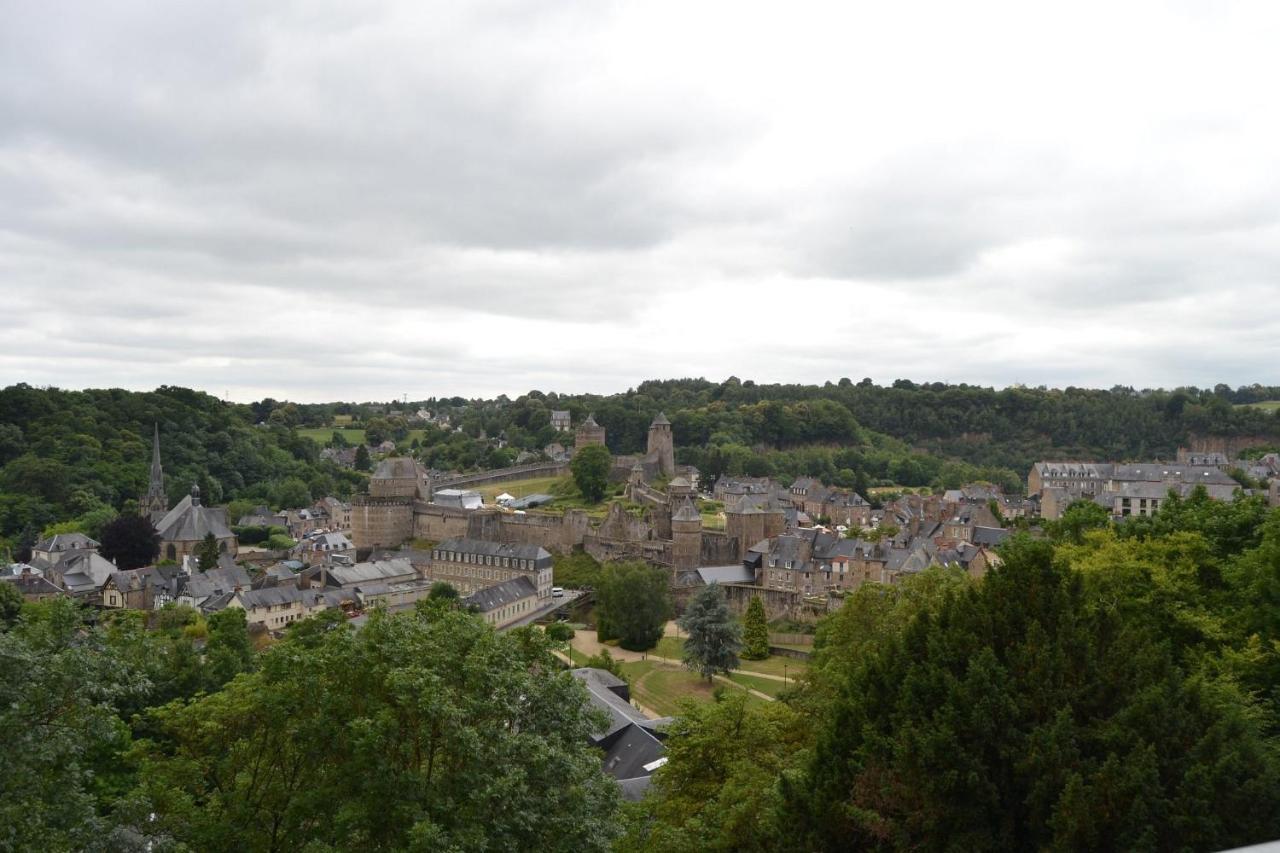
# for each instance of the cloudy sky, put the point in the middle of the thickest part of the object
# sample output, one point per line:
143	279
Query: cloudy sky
343	200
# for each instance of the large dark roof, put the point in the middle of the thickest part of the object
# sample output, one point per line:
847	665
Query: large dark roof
65	542
494	549
190	521
502	594
396	468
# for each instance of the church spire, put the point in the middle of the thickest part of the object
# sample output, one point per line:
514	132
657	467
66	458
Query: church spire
157	475
155	503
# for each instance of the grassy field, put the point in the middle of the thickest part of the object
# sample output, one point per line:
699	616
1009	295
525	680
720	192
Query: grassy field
517	488
321	435
1267	405
767	686
673	648
662	688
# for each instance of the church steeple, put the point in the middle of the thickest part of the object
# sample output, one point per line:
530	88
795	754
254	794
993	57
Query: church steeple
155	504
157	475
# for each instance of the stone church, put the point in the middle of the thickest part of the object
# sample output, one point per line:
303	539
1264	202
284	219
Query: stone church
185	526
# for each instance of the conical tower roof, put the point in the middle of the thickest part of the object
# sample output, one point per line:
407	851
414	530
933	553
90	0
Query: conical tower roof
660	420
686	512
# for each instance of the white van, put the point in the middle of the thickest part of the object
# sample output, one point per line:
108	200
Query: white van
557	592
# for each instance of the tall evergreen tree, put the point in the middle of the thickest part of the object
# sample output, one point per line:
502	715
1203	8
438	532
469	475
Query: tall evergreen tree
207	553
755	635
714	635
363	462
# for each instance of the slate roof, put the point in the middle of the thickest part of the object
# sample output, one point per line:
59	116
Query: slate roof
660	420
989	535
190	521
396	468
32	584
502	594
202	585
726	574
66	542
378	570
686	512
483	547
627	741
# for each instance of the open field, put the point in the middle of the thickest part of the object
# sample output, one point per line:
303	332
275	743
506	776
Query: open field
516	488
768	686
662	688
673	647
1266	405
321	435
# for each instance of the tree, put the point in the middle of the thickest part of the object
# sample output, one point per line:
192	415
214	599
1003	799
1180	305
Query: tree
130	542
1080	517
431	733
10	605
559	632
719	789
228	651
207	553
59	684
755	635
1031	710
714	636
633	605
590	467
363	463
443	590
606	661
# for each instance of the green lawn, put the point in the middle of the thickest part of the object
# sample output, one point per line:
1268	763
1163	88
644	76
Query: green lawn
517	488
776	666
765	685
661	688
321	435
673	648
1267	405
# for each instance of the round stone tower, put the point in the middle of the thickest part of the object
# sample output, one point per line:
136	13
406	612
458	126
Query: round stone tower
662	445
686	536
589	432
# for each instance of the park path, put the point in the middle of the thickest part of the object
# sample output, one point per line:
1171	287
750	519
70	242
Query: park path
586	643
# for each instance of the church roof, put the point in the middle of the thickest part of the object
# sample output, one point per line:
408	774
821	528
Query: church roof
189	521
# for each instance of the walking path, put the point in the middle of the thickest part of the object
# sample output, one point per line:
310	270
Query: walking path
586	643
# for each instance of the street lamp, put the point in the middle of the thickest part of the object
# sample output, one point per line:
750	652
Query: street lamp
784	673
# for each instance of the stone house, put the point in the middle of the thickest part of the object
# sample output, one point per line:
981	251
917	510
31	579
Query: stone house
470	565
506	602
147	588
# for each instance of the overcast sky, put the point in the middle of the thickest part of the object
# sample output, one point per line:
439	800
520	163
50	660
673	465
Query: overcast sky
322	201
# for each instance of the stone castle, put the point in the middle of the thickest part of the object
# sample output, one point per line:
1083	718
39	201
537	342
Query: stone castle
666	530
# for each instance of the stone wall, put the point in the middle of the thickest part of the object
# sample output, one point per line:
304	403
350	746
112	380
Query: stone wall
501	475
557	533
718	549
434	523
381	522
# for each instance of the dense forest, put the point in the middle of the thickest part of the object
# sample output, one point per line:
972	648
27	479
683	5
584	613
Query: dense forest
84	456
1110	688
79	457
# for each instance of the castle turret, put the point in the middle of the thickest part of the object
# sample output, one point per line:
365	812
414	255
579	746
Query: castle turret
686	536
589	432
662	446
